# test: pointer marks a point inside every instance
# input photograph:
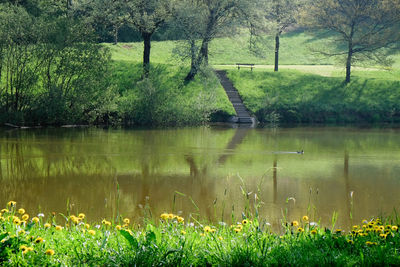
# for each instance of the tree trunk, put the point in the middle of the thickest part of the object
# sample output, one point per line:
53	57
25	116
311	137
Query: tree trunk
348	62
146	52
116	28
206	54
199	60
276	52
192	53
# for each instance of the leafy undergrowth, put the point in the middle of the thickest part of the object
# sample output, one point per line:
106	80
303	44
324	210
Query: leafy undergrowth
163	99
58	240
295	97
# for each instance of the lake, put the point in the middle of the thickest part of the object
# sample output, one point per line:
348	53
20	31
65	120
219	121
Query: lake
211	173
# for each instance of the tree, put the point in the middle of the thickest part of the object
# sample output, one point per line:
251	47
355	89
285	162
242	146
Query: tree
282	14
363	30
217	16
112	14
187	18
147	16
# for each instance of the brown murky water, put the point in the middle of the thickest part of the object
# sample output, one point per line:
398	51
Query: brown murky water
108	172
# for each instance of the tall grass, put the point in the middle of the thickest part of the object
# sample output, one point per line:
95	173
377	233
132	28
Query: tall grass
171	240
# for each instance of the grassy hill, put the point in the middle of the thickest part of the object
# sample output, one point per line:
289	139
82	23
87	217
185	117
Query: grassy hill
296	51
308	87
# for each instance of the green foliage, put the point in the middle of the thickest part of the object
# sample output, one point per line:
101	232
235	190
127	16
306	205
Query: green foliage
50	71
163	99
301	98
71	240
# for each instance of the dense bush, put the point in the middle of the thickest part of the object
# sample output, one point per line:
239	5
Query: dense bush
50	71
163	98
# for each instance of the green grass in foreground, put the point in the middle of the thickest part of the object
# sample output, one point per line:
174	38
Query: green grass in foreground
292	96
59	240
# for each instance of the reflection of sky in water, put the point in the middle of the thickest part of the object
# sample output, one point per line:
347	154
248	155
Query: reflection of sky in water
46	169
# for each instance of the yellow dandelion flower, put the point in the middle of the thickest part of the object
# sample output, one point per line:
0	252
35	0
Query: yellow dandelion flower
246	222
47	225
21	232
171	216
213	230
383	236
220	238
125	226
21	211
11	203
305	218
300	230
202	234
38	240
81	216
183	232
87	226
350	241
239	226
164	216
338	231
50	252
127	221
92	232
313	232
395	228
59	227
118	227
237	230
23	247
35	219
355	227
28	249
4	211
105	222
25	217
16	221
180	219
369	243
295	223
207	229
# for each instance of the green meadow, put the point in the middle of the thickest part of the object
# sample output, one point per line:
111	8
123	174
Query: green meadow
308	88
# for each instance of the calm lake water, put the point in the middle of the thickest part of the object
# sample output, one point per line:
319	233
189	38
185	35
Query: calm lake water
107	172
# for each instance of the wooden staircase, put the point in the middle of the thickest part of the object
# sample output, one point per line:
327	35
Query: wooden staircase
242	113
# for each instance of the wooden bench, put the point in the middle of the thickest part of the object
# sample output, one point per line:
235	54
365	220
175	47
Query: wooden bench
245	65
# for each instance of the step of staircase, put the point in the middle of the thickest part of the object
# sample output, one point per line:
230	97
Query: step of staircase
242	112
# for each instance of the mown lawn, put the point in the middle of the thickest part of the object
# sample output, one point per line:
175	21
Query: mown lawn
294	97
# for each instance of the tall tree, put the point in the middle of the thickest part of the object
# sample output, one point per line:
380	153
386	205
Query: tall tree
217	15
282	14
361	28
187	18
110	13
147	16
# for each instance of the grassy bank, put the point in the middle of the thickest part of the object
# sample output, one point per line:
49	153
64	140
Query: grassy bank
164	99
55	239
294	97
